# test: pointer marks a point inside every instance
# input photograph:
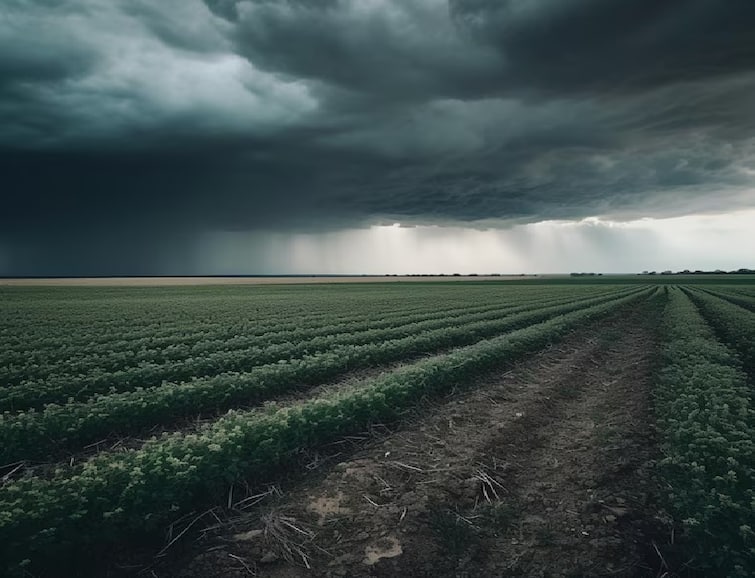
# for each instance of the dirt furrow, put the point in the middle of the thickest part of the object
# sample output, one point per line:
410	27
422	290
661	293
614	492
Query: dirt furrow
541	471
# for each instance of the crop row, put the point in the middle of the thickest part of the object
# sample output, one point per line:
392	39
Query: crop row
93	341
740	299
259	350
56	315
243	320
111	315
34	434
169	343
708	427
35	334
116	494
746	290
206	358
735	326
92	368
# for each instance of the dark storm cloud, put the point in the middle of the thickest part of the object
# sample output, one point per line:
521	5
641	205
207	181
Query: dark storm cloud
592	45
164	120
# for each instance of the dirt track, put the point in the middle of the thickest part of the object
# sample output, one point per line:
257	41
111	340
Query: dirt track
541	471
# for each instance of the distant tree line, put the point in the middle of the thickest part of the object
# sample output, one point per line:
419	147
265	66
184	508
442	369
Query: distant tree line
699	272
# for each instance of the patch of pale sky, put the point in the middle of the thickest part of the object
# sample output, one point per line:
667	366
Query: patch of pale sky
594	244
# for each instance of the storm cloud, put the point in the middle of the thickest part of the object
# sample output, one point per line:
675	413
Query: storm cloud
131	129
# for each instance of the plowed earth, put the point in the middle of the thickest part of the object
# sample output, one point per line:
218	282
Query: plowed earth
541	470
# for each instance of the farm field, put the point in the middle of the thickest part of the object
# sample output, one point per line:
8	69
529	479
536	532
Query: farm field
536	427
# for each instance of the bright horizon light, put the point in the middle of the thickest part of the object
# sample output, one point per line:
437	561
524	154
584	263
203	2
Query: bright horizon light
714	241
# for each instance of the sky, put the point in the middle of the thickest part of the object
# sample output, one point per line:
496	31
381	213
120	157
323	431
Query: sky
187	137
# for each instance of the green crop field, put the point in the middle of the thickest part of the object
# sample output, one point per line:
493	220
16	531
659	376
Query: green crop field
134	417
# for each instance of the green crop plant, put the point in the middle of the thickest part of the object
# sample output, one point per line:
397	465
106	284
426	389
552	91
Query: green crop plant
704	409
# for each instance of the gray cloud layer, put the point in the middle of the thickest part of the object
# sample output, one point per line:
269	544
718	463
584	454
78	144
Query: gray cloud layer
161	120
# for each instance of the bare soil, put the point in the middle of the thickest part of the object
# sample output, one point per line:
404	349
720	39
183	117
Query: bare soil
544	470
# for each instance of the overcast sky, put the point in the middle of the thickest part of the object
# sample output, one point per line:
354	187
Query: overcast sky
274	136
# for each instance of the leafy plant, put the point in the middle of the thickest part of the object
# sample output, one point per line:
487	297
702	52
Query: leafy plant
703	405
118	494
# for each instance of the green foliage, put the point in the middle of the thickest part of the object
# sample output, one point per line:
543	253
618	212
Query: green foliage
738	296
734	324
117	494
176	359
35	434
703	405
